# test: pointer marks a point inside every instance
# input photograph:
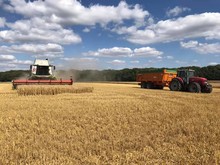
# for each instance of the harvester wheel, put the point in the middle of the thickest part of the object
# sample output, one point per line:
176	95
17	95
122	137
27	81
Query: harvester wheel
14	86
194	87
175	85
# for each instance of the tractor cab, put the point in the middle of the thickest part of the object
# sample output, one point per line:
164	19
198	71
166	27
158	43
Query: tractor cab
185	74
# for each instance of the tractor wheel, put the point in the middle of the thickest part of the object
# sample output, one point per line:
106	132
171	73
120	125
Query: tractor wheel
175	85
207	89
194	87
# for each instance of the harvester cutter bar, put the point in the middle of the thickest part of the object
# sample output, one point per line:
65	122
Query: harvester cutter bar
15	83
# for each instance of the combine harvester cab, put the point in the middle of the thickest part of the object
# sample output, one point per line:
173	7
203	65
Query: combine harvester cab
41	73
156	80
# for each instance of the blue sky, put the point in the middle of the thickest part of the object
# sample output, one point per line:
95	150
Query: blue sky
105	34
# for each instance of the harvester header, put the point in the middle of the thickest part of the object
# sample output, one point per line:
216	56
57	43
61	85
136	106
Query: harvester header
41	73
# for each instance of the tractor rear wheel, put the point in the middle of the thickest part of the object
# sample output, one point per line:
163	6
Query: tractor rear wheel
194	87
175	85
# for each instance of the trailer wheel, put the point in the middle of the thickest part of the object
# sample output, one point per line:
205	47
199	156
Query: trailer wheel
194	87
149	85
160	87
142	84
175	85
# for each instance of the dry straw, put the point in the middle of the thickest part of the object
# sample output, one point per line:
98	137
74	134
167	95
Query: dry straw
26	90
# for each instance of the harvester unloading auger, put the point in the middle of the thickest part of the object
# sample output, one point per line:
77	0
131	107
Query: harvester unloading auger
41	73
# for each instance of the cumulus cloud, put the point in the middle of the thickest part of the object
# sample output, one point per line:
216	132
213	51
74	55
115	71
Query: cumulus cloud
10	62
117	62
86	30
78	59
74	13
135	62
176	11
147	52
33	49
21	62
111	52
10	59
170	57
7	58
202	48
38	48
37	30
213	63
2	22
205	25
125	52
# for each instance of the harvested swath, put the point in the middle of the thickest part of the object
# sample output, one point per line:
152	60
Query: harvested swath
26	90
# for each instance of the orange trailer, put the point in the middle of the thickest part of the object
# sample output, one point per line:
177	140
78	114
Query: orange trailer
156	80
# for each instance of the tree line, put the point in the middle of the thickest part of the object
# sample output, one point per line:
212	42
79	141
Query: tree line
209	72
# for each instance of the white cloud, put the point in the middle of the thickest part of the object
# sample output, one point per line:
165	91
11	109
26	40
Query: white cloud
190	44
180	62
147	52
7	58
135	62
170	57
205	25
21	62
38	48
125	52
8	62
74	13
38	30
176	11
2	22
202	48
86	30
79	59
111	52
117	62
195	61
44	50
213	63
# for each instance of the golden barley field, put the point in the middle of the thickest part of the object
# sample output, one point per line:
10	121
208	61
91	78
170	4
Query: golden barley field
115	124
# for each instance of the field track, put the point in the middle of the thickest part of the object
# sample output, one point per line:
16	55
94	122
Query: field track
115	124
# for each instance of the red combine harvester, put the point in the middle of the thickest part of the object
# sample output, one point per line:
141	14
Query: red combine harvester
41	73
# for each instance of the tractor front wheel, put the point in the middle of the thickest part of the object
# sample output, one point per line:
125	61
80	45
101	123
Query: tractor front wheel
175	85
194	87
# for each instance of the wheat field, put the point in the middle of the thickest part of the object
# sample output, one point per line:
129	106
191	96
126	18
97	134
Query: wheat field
115	124
26	90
